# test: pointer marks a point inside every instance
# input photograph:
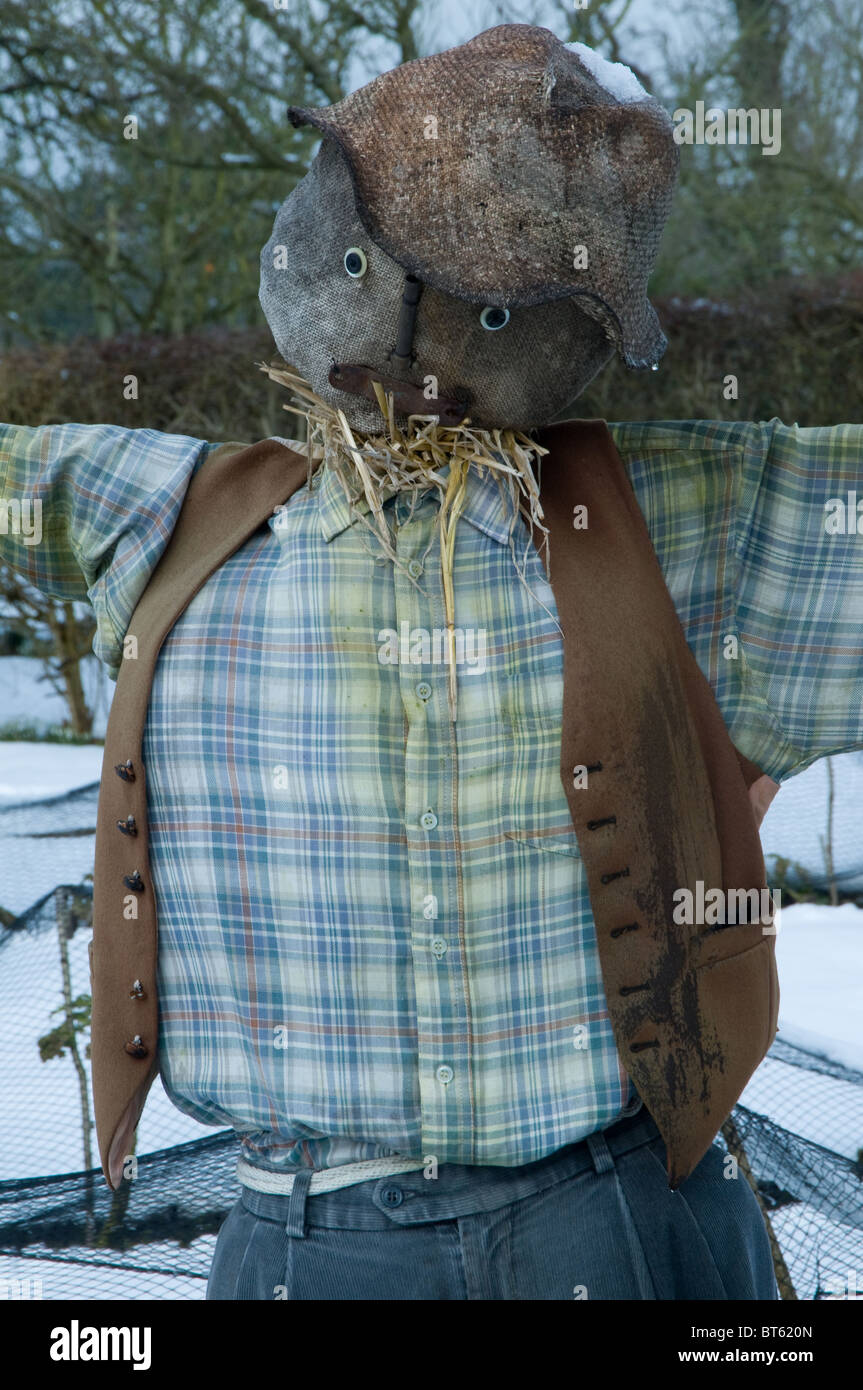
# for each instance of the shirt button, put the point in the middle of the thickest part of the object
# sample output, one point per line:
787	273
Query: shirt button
424	690
428	820
415	569
439	947
444	1074
392	1196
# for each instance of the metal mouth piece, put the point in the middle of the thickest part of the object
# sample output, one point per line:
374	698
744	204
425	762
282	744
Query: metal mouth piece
356	379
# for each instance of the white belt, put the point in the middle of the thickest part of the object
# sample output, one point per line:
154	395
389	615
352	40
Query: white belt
326	1179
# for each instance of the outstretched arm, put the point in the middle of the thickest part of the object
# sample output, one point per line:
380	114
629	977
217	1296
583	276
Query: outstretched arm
86	512
768	589
799	584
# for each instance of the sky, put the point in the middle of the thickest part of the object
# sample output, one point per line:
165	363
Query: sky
451	22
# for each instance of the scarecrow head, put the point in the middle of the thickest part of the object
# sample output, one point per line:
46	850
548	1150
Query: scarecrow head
476	233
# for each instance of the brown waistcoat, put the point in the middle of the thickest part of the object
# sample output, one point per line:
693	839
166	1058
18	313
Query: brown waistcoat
668	801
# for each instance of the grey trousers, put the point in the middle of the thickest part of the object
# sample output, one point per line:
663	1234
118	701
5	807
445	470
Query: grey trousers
595	1220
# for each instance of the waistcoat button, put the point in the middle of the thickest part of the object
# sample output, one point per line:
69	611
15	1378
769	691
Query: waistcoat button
136	1048
134	881
127	826
125	770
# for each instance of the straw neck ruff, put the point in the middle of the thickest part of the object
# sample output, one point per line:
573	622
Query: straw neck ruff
371	468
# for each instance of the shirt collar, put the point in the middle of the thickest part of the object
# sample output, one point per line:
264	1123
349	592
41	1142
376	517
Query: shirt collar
487	507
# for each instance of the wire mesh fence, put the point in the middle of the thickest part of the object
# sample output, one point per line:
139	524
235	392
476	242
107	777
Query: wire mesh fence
63	1234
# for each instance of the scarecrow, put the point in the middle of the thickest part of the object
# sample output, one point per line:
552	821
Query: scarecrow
444	725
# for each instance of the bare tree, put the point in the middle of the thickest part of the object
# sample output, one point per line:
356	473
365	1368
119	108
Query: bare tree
144	148
742	217
64	631
826	841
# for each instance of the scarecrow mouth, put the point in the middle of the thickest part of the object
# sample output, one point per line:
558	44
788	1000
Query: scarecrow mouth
356	379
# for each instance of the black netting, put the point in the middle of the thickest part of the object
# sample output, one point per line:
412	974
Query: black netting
153	1238
71	813
812	1200
812	1061
65	1235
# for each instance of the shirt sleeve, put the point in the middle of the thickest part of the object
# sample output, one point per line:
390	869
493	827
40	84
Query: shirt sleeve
86	512
799	584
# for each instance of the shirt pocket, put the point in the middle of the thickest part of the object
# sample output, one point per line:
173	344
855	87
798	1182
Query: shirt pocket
537	810
550	841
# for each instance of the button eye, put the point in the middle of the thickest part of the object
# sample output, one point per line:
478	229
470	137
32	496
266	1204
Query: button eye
492	318
355	262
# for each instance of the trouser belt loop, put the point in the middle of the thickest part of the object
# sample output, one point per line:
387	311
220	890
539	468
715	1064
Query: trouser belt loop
600	1152
296	1222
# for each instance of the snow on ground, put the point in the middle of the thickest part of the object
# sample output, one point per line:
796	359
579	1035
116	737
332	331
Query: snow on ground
823	1109
819	956
45	846
54	848
822	1257
33	771
819	953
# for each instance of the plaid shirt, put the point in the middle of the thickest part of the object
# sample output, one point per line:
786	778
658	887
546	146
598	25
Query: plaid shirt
375	933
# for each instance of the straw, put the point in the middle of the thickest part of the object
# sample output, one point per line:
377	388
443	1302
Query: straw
376	466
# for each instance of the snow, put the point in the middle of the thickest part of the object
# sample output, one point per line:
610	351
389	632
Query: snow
616	78
34	771
820	1108
60	851
833	1049
819	957
819	952
799	1228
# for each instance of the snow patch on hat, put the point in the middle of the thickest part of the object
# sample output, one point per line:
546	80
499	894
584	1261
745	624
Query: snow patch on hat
617	79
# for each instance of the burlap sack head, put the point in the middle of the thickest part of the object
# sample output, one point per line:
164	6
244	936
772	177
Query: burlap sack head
503	175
